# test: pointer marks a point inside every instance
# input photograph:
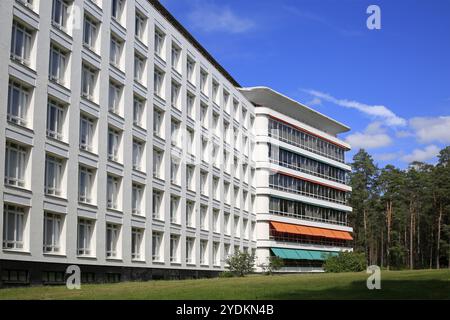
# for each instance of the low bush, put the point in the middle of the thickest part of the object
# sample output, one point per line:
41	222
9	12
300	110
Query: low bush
346	262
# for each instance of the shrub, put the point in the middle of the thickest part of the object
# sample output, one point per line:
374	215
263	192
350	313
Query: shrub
241	263
274	263
226	274
345	262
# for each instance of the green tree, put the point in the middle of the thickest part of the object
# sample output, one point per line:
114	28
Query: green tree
241	263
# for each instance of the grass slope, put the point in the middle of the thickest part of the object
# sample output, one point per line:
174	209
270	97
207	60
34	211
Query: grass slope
418	284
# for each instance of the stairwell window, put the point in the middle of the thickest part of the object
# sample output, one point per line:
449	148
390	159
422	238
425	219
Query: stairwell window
19	96
21	43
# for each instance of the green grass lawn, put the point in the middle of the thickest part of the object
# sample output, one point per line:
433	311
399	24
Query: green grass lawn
419	284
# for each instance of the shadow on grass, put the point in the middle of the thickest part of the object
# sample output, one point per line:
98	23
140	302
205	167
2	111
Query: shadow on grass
390	289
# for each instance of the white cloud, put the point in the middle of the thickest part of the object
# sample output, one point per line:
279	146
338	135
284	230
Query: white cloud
422	155
387	156
209	17
374	136
314	102
378	112
431	129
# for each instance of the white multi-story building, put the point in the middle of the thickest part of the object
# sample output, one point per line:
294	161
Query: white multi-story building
300	183
128	150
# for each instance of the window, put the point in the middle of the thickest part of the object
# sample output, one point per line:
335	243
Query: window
215	186
175	132
90	32
159	42
136	243
190	177
19	97
215	124
175	94
176	54
226	223
190	250
52	232
60	13
157	161
190	100
136	198
15	164
138	111
85	184
174	204
204	217
139	68
203	252
226	192
156	208
55	119
226	101
27	3
236	109
175	171
190	70
54	171
204	115
117	9
156	246
112	192
140	26
190	141
138	152
204	182
215	92
190	220
174	243
13	227
158	117
115	51
236	197
216	253
113	144
204	81
21	42
237	231
158	81
87	130
85	231
88	82
58	62
112	239
205	154
115	96
216	224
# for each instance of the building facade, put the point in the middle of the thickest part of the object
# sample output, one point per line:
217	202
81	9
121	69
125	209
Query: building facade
300	181
128	150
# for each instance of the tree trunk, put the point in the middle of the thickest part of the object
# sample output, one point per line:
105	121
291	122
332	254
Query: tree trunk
365	236
438	246
411	236
388	222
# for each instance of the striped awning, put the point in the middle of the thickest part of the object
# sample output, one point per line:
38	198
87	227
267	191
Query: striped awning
311	231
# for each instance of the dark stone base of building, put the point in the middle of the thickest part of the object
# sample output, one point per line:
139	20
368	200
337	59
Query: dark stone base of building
24	273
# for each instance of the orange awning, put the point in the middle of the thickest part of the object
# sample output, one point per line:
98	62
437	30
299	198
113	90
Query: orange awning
311	231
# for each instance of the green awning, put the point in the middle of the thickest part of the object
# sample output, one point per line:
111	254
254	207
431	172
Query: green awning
298	254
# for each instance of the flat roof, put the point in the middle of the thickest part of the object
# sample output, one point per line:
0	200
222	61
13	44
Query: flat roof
177	25
267	97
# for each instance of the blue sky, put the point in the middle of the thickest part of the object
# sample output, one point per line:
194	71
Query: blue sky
391	86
